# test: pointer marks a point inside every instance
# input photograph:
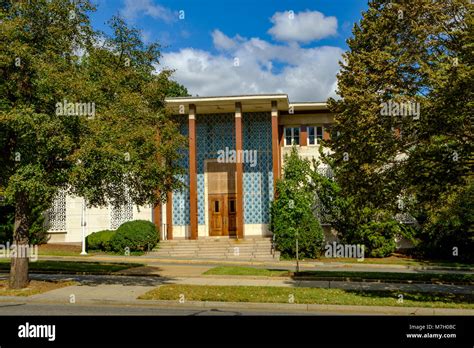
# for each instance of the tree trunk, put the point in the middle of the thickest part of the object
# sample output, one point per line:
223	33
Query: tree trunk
19	261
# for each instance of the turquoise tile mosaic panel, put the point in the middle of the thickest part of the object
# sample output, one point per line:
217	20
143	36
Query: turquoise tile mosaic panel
181	198
258	177
214	132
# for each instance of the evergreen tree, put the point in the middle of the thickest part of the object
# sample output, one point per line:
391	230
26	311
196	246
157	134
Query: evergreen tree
417	55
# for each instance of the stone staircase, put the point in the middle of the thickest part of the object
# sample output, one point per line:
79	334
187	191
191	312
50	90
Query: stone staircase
248	249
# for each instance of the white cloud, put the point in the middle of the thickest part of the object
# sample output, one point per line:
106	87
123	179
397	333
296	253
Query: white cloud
135	8
305	74
221	41
302	27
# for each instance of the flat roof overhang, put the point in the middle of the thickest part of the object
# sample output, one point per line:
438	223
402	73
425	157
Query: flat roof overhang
250	103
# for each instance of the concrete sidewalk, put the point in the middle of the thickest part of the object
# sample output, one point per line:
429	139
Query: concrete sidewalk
122	290
290	265
131	284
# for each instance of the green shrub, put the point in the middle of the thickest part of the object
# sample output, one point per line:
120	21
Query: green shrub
448	230
379	237
99	240
138	235
291	212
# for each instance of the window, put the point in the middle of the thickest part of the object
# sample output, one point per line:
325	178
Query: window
216	206
292	136
315	135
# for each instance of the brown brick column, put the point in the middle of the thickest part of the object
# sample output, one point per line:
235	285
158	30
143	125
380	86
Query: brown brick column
275	145
193	211
326	134
239	171
169	215
157	218
303	135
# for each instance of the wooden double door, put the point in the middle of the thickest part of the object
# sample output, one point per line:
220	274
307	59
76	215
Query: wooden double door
223	215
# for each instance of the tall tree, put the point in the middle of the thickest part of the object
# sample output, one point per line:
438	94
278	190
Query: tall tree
80	112
416	55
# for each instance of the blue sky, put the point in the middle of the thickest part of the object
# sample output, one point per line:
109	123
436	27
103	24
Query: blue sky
245	46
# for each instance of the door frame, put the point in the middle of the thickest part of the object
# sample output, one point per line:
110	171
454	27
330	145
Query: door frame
207	217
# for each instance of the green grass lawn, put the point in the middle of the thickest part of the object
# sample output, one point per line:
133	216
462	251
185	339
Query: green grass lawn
343	275
247	271
73	266
400	260
75	250
308	296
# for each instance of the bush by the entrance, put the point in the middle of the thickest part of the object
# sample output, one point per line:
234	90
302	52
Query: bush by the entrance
99	240
292	216
138	235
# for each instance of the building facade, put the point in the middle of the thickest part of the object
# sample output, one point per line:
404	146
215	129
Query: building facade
235	155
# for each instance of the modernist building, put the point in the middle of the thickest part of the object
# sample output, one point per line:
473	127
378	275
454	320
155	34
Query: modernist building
235	156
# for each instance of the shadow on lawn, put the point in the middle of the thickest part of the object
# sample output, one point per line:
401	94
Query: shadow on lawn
415	296
95	280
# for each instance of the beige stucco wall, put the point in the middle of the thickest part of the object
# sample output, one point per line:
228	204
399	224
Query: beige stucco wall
308	119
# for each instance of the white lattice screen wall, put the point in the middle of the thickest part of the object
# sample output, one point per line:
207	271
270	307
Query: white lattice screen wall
57	213
120	215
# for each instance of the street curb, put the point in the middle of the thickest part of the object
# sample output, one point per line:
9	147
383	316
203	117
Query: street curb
345	309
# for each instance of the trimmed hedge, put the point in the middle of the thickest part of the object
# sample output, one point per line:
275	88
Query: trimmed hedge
99	240
138	235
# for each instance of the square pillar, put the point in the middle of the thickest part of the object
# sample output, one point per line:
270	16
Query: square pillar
157	218
303	136
169	215
157	208
275	145
326	133
193	211
239	166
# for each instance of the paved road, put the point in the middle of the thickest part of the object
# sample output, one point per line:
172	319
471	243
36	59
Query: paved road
18	308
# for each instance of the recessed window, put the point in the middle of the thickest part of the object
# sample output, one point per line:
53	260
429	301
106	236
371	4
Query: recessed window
292	136
315	135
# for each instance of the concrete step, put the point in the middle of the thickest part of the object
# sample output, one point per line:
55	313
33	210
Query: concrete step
217	245
217	241
218	249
